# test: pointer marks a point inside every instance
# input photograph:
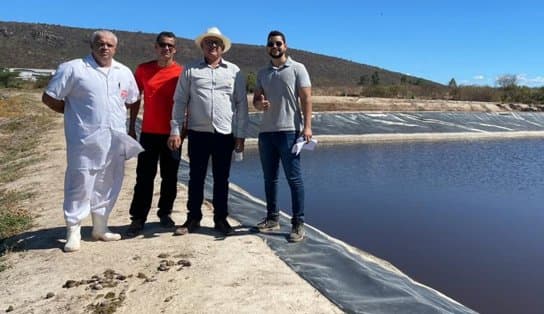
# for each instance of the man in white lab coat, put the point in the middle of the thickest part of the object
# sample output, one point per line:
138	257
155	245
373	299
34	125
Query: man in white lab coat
93	94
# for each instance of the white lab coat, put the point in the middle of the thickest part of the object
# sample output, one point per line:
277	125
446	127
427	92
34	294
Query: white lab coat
95	129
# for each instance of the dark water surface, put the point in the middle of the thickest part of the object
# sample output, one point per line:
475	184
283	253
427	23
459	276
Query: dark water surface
465	218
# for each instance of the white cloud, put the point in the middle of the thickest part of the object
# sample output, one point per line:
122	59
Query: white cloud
479	77
524	79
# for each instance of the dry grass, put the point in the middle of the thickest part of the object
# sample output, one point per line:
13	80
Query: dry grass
23	119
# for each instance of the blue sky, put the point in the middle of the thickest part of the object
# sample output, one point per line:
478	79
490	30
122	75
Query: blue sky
471	41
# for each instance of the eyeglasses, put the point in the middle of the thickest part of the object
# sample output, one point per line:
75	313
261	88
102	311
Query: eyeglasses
164	45
274	44
213	42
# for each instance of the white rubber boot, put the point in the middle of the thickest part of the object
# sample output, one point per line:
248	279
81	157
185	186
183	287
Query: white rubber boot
73	238
101	231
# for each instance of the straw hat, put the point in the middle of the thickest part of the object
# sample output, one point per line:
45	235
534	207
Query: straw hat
214	32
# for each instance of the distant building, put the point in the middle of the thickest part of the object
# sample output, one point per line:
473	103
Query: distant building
27	74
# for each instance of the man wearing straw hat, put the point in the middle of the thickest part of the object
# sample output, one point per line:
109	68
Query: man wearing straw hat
210	101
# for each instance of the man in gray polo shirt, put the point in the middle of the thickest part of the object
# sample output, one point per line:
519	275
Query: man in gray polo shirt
278	89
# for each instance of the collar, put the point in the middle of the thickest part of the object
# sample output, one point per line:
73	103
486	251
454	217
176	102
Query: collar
91	62
222	63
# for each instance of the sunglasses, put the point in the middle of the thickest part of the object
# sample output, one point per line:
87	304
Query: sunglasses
213	42
274	44
164	45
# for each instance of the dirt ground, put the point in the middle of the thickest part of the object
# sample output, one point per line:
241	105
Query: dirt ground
154	273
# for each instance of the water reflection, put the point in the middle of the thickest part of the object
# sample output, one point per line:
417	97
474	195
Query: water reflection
462	217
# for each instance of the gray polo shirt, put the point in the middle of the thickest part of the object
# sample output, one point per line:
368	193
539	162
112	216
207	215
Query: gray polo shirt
214	99
280	86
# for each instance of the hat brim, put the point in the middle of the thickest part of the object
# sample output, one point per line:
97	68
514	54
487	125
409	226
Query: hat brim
225	40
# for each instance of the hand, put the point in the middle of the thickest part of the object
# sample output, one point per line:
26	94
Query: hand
239	144
307	133
174	142
262	103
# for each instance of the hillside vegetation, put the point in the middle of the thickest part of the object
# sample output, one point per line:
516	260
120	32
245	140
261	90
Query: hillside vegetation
44	46
28	45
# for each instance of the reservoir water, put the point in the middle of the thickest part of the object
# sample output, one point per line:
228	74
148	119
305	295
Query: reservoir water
465	218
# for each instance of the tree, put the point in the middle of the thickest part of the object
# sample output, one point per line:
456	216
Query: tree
507	81
403	79
508	84
363	80
452	84
251	81
375	78
7	78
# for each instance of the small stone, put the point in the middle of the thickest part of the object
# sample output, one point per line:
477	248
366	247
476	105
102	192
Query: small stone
49	295
97	287
141	276
10	308
121	277
163	255
70	284
163	267
110	295
168	299
184	263
109	273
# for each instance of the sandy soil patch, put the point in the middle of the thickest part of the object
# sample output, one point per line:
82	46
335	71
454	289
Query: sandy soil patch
154	273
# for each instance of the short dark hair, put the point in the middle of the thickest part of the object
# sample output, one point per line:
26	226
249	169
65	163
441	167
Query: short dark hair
276	33
165	34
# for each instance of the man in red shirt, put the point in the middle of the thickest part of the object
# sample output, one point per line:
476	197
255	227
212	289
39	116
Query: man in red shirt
157	81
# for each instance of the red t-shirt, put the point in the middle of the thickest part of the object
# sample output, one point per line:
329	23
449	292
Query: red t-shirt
158	85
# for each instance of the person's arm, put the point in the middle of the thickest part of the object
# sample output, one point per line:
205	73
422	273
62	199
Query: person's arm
178	126
259	98
55	104
241	114
306	103
134	109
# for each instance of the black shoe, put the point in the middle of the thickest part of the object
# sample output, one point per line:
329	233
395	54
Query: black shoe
136	227
297	233
167	222
189	226
223	227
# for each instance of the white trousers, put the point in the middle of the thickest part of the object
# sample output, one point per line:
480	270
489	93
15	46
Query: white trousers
92	190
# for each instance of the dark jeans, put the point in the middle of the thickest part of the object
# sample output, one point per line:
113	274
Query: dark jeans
202	145
156	150
273	147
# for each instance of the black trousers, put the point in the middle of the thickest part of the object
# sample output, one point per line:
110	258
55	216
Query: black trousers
156	151
202	146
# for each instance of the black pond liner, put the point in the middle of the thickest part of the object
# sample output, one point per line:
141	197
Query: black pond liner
355	281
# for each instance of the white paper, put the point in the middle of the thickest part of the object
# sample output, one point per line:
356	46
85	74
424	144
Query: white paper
302	144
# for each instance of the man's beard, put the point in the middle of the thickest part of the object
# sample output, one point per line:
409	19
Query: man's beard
273	56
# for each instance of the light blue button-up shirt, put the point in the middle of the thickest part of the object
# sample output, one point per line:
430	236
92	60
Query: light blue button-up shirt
212	99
